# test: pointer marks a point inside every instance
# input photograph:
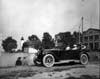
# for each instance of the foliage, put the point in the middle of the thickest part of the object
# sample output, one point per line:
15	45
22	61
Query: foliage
33	41
77	37
9	44
66	38
47	41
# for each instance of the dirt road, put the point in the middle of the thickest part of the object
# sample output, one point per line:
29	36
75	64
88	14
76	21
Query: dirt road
62	71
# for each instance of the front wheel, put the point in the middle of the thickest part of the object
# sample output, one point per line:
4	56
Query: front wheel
84	59
48	60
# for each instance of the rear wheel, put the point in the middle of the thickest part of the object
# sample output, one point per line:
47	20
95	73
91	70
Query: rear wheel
48	60
84	59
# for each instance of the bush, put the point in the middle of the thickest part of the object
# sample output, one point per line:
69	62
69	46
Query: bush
9	44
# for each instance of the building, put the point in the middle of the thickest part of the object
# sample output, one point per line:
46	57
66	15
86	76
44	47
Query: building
91	38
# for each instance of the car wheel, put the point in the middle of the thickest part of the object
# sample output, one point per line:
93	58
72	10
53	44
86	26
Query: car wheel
48	60
84	59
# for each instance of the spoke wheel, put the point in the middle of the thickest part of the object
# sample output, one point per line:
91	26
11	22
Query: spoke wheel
48	60
84	59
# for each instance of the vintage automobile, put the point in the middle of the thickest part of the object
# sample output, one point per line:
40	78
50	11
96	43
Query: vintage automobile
49	57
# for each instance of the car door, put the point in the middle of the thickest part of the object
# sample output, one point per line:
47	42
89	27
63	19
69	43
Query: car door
65	55
75	54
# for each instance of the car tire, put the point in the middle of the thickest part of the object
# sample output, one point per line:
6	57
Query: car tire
84	59
48	60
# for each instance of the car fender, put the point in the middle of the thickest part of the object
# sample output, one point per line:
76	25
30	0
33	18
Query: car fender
85	52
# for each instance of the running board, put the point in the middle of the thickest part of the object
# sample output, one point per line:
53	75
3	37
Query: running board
66	61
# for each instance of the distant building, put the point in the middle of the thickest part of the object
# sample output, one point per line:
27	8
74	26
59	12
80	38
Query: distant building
91	38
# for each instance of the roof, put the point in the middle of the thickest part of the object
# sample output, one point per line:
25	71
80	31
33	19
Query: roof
98	30
94	29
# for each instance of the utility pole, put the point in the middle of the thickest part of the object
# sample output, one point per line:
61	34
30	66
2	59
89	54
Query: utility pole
99	14
79	35
82	27
82	18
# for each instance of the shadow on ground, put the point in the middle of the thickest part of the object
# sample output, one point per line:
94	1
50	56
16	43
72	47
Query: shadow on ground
62	64
83	77
67	64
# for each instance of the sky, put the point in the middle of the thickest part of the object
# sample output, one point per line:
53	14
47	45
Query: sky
26	17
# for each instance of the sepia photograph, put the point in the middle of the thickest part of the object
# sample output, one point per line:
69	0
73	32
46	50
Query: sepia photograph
49	39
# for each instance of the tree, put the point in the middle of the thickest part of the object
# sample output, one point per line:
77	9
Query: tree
33	41
47	41
66	38
9	44
77	37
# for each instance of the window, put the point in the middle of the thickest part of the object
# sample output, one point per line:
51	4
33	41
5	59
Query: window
90	38
85	38
96	37
96	46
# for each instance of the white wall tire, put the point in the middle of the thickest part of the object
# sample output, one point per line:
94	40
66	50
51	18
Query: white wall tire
48	60
84	59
